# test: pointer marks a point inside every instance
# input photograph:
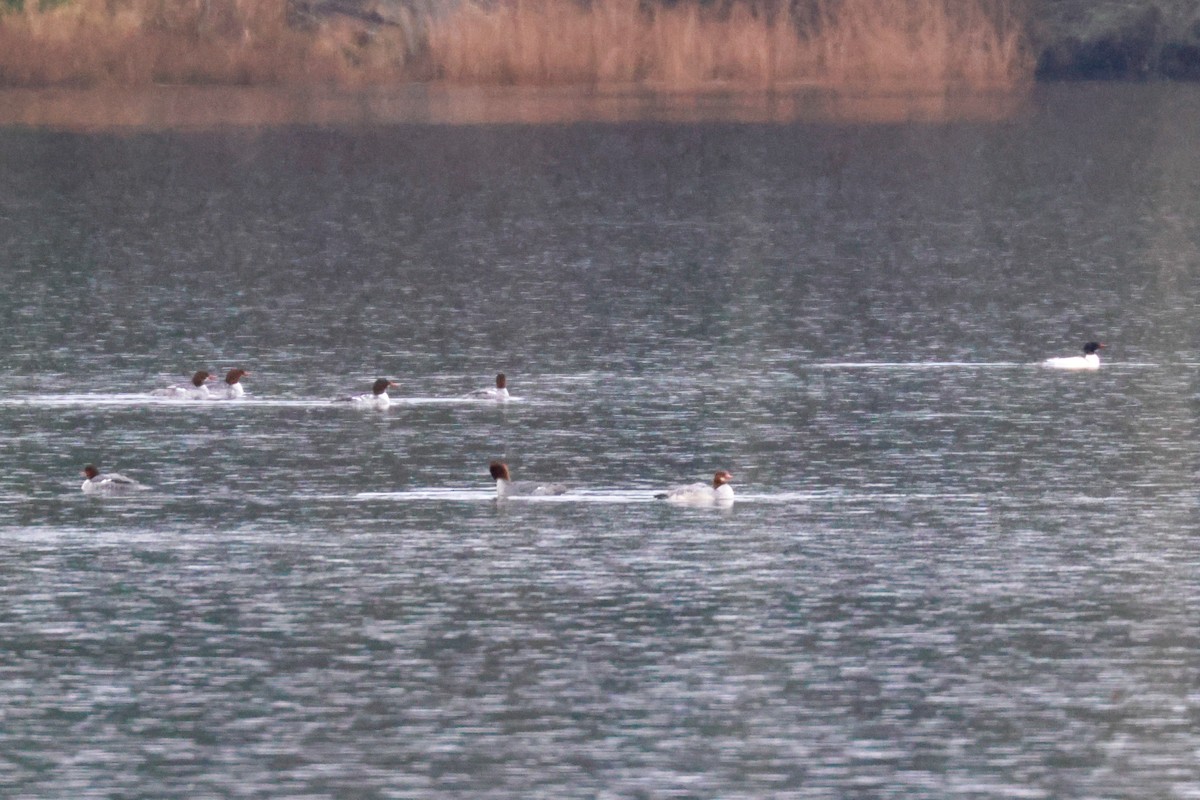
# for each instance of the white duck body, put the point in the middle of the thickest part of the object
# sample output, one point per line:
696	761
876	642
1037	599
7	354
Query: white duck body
1088	361
507	487
718	493
499	392
378	398
231	388
110	483
197	389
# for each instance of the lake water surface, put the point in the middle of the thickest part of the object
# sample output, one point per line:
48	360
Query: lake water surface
950	572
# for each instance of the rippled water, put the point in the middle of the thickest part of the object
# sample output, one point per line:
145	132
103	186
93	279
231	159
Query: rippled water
949	572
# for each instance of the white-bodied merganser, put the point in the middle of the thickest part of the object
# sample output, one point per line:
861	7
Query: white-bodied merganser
498	392
231	389
112	483
507	487
1089	359
720	493
378	398
197	389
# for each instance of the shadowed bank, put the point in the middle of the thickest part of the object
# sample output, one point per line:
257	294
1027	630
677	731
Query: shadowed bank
877	45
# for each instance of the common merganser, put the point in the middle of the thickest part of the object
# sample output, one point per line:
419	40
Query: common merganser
1089	359
720	493
231	389
507	487
112	483
197	389
378	398
499	392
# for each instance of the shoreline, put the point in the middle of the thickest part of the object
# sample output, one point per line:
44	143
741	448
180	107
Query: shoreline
195	108
308	45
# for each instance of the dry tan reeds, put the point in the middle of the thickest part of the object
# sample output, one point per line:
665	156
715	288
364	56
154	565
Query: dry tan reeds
608	41
894	44
857	44
902	43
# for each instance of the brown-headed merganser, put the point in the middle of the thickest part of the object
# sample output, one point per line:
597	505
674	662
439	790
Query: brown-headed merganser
197	389
507	487
111	483
378	398
498	392
719	493
231	389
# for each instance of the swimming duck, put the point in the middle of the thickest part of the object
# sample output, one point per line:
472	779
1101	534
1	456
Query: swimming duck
110	483
702	494
1089	359
507	487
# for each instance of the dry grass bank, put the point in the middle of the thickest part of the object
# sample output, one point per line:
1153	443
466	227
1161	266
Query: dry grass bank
842	43
231	42
859	44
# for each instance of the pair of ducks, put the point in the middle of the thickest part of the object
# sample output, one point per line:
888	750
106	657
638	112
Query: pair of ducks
198	388
718	493
378	398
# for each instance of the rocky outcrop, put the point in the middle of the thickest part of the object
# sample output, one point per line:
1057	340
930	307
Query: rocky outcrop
1109	39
